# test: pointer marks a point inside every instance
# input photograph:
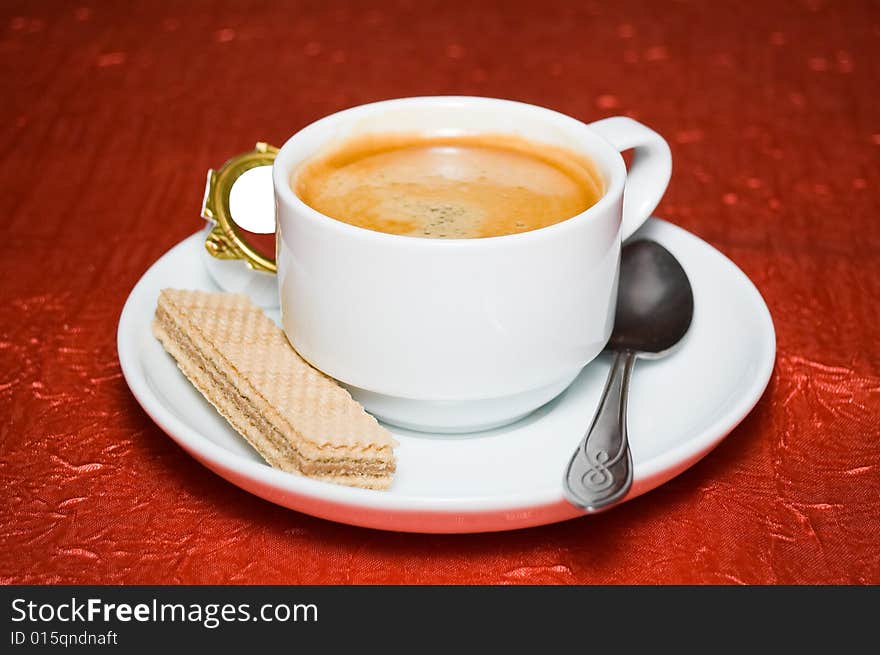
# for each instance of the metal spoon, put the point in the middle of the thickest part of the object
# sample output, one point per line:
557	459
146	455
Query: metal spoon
655	305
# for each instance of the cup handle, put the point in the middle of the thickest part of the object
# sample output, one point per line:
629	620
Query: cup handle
649	173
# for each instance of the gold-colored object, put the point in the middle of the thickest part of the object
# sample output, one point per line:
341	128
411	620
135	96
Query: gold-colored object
225	240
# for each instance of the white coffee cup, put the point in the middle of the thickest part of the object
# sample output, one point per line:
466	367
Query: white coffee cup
459	335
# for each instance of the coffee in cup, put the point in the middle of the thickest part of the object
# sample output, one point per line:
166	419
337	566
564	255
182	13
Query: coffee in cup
453	187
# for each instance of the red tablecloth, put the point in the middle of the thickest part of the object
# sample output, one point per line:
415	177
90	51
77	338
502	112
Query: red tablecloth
112	112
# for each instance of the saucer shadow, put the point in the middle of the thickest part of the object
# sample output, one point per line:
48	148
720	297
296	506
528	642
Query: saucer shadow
593	373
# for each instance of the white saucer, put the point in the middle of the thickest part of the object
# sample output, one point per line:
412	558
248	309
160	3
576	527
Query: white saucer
680	408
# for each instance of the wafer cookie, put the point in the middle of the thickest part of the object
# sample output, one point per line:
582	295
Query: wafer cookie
296	418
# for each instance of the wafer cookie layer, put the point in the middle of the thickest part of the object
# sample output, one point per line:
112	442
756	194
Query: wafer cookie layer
296	417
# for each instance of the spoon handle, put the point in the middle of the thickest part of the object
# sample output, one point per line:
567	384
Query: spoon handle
600	471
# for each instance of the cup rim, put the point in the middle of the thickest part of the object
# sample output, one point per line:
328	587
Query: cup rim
614	190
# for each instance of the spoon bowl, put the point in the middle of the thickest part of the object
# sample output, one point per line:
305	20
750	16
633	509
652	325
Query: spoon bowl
655	302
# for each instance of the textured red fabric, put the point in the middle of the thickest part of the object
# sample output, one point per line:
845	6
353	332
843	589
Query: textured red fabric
112	112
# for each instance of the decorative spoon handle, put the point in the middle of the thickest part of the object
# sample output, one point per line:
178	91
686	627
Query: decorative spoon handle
600	471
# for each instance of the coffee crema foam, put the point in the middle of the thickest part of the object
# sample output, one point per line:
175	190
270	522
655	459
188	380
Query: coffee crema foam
454	187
